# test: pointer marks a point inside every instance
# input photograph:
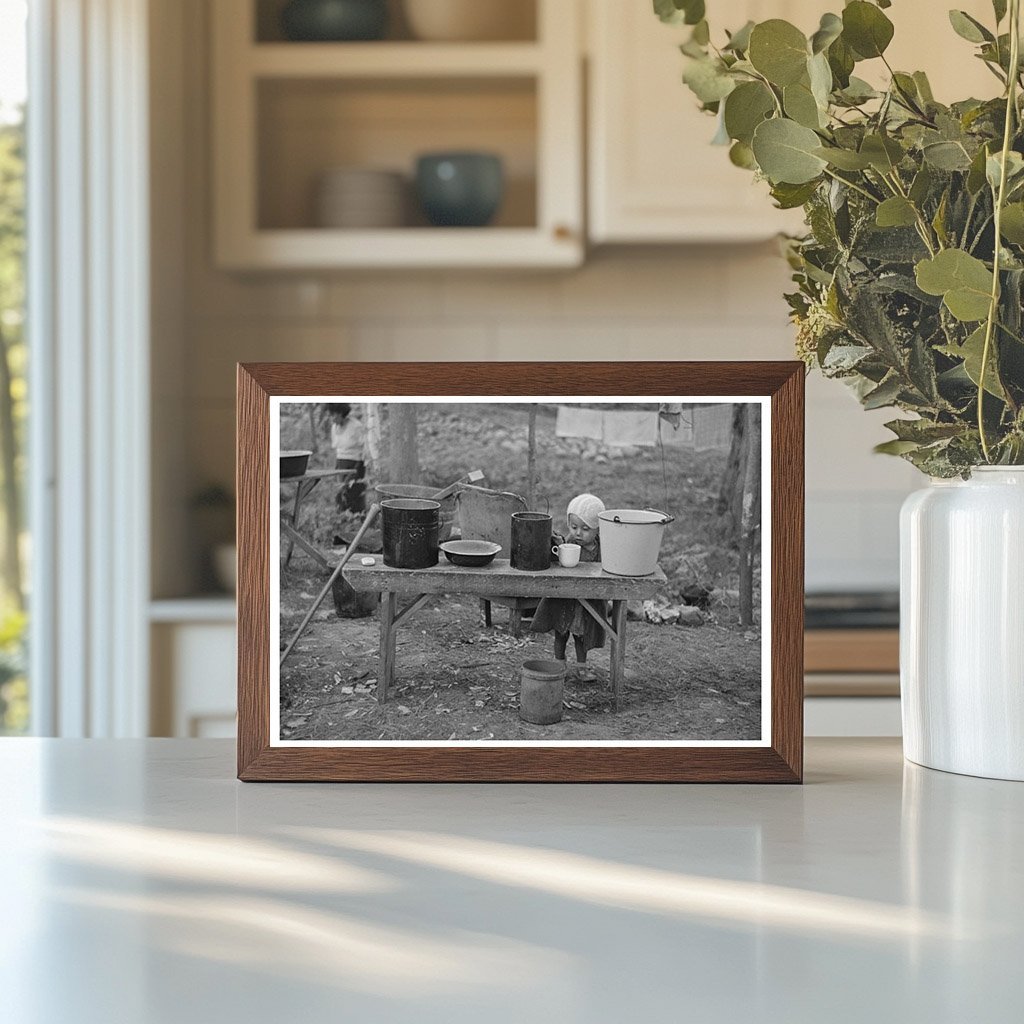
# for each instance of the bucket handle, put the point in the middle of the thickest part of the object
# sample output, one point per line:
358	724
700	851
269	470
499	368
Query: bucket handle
668	519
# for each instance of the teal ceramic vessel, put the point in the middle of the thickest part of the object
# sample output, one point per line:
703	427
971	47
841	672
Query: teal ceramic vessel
333	21
460	189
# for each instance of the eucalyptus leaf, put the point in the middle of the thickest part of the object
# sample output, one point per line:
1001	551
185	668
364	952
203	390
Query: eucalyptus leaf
829	30
976	173
741	155
924	87
739	41
883	153
745	108
972	352
895	447
969	28
963	281
779	51
921	185
675	12
895	212
820	76
1012	223
841	60
800	105
789	197
708	81
785	152
994	168
844	159
884	395
947	156
866	29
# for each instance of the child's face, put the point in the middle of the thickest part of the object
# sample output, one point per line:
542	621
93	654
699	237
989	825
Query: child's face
580	533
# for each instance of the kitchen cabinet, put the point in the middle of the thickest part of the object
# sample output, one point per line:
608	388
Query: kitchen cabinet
653	175
286	113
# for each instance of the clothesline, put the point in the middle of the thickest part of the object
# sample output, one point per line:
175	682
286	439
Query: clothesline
700	427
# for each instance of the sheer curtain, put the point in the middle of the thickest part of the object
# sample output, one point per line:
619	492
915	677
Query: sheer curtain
88	301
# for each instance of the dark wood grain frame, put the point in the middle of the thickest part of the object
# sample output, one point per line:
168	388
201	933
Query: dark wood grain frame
782	761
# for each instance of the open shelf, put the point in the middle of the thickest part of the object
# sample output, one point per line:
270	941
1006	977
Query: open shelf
518	18
393	60
306	128
288	113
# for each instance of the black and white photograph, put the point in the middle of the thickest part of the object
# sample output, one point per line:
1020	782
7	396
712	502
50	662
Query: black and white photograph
484	571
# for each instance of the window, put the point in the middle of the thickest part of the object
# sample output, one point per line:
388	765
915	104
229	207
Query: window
14	705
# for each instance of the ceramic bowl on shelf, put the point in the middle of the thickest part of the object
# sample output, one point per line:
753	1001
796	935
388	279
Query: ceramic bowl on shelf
333	21
460	189
467	21
361	197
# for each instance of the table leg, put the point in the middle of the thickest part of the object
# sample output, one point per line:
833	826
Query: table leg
388	629
618	648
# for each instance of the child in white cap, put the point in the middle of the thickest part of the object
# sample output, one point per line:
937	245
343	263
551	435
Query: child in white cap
561	615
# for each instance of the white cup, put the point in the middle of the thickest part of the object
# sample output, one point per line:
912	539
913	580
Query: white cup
568	554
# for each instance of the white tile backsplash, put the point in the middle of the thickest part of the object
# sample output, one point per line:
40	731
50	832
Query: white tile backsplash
718	302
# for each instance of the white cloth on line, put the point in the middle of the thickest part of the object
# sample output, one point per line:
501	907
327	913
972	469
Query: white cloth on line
712	427
623	428
679	435
575	421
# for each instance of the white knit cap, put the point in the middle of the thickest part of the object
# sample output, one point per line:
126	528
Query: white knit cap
587	507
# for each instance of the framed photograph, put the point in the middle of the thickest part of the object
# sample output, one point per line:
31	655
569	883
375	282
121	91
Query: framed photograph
520	572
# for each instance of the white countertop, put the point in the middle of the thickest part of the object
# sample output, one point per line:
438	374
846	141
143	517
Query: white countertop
143	884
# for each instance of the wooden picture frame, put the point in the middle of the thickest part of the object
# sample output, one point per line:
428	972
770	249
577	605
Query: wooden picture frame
777	757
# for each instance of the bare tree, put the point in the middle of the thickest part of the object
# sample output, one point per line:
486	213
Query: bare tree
403	453
750	511
531	459
730	495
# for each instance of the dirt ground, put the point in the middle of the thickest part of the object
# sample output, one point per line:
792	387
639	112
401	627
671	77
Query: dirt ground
456	679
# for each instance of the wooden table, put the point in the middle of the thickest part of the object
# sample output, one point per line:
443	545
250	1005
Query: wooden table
584	583
304	485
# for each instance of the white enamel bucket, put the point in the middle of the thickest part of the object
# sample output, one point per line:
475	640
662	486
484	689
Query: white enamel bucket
631	540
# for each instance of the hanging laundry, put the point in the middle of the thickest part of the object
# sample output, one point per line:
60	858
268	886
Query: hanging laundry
676	427
575	421
631	428
712	427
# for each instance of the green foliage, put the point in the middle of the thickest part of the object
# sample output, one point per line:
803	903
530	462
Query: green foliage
904	291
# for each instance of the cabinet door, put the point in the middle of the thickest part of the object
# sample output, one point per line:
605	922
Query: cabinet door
654	175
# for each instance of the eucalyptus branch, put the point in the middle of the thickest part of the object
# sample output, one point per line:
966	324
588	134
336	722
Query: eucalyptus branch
853	185
1000	198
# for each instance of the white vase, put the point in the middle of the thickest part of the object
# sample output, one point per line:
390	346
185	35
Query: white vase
962	624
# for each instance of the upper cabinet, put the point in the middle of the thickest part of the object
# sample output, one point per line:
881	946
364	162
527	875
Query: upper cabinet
653	174
316	143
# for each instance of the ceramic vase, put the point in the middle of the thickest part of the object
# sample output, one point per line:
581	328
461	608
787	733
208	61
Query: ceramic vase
962	624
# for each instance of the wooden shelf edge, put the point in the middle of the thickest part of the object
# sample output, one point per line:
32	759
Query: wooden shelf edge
392	60
852	650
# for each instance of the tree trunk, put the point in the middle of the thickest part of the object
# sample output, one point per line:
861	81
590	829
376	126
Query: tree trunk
750	512
730	496
403	455
11	490
531	459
